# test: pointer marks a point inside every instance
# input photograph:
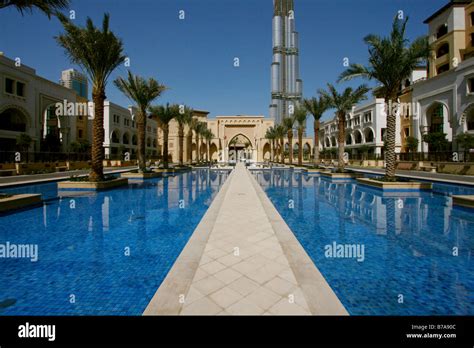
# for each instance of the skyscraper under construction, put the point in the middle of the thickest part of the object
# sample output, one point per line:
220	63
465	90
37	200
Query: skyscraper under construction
287	87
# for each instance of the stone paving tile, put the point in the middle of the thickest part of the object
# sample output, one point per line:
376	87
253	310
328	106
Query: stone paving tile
243	269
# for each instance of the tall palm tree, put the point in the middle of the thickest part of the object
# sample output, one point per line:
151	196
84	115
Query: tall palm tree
300	117
99	53
208	135
391	61
142	92
192	124
183	118
271	136
343	103
280	131
288	123
163	115
48	7
316	107
199	130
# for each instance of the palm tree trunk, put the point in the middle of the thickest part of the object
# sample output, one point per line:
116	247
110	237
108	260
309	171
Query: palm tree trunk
290	147
341	140
300	148
141	128
316	141
165	145
189	152
390	145
282	150
198	154
97	168
181	143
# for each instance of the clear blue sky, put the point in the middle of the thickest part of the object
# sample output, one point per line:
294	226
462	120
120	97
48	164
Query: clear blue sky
194	57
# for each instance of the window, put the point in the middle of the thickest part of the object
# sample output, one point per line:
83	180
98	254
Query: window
443	68
470	85
407	132
9	85
20	89
442	30
472	39
472	18
442	50
116	118
368	117
80	134
470	120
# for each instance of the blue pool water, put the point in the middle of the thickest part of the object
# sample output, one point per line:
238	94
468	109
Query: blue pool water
104	253
408	238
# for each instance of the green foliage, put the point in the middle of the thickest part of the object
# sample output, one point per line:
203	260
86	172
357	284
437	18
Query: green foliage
139	90
465	140
48	7
98	52
412	143
437	141
23	141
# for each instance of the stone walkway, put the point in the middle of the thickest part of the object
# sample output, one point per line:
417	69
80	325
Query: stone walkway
238	263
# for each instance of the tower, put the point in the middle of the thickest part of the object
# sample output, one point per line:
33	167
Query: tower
286	85
75	80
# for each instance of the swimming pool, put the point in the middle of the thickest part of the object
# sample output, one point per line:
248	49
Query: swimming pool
104	253
406	261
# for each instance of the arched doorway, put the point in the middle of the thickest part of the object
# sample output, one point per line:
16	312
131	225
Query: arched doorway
51	136
12	119
240	148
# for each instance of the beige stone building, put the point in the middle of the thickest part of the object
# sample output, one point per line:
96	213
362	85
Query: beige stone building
235	138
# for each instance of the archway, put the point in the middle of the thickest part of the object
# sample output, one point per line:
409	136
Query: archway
12	119
240	148
51	136
267	152
369	135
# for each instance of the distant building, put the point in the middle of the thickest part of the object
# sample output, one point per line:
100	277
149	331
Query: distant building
121	134
286	84
27	105
75	80
365	128
445	101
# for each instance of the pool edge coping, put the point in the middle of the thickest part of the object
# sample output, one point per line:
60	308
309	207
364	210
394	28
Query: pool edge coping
319	295
166	300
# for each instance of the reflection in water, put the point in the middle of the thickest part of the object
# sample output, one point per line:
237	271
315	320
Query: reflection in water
111	249
410	241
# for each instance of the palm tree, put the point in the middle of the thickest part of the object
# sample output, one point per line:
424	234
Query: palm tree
300	117
391	61
142	92
271	136
199	130
163	115
183	118
280	131
343	104
48	7
316	107
99	53
288	123
192	124
208	135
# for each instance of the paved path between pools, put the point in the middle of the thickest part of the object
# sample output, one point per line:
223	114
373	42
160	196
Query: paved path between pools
243	259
